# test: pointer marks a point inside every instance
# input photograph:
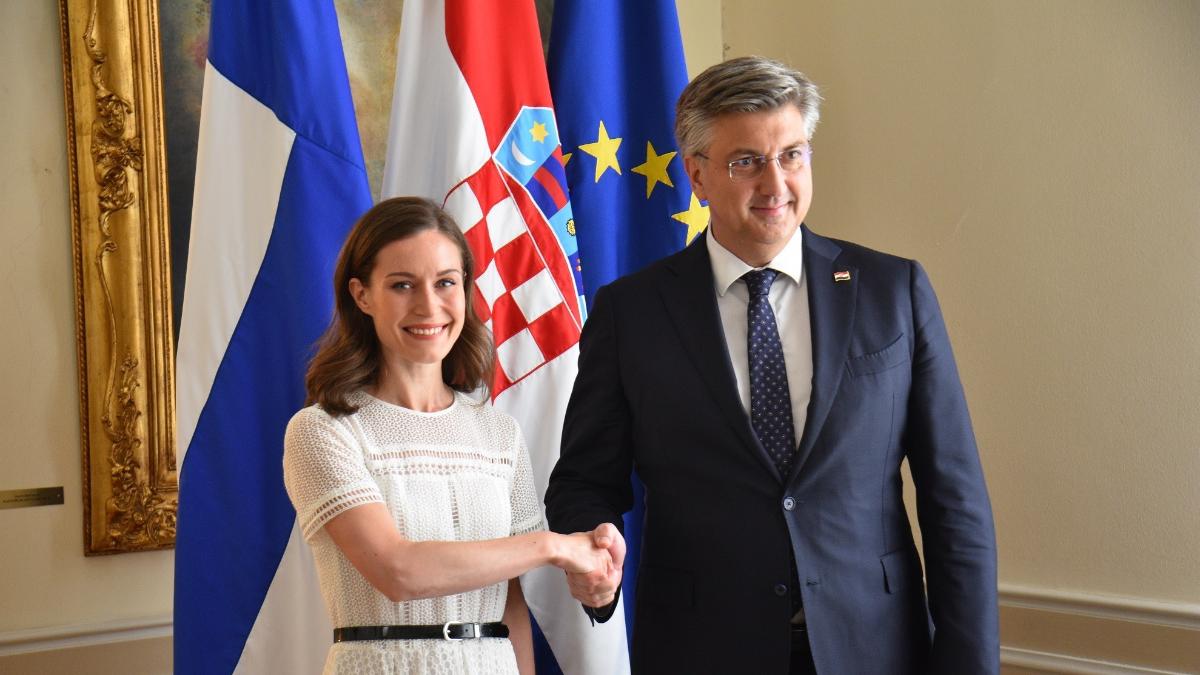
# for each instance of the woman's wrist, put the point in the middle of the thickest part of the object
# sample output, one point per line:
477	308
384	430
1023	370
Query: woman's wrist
553	549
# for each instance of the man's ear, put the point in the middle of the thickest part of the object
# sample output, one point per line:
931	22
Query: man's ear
691	163
359	292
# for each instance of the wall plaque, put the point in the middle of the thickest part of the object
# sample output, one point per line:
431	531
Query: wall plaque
16	499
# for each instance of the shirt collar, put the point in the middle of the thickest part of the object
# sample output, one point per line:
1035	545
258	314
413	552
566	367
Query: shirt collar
728	268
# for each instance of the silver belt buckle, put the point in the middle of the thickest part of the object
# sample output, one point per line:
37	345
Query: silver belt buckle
474	633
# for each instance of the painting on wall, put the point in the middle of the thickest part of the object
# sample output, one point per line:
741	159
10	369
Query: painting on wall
369	29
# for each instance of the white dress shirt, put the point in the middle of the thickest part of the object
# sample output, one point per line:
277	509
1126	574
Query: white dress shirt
789	301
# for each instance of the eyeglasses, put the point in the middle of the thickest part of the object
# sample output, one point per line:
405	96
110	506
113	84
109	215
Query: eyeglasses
749	168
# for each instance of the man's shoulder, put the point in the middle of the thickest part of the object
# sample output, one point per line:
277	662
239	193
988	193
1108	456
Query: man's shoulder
850	254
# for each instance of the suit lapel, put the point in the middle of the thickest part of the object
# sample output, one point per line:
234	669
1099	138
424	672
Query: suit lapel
692	306
831	310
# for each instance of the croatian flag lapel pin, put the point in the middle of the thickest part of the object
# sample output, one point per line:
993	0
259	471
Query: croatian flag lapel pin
842	275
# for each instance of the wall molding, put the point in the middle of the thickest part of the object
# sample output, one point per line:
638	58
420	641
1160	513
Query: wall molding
84	634
1115	608
1056	631
1112	608
1070	665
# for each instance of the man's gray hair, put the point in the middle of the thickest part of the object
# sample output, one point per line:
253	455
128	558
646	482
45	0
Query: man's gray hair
744	84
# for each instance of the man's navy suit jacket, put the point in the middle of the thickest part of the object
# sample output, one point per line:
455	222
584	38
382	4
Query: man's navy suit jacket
656	393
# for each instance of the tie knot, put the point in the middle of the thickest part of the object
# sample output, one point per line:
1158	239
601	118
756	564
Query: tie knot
759	281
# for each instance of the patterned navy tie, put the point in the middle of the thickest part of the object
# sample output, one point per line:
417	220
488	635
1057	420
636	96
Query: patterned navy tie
770	399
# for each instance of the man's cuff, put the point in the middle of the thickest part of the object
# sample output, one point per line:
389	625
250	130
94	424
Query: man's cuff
602	614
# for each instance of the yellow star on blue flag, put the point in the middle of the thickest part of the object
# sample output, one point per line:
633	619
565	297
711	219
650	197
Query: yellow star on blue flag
616	69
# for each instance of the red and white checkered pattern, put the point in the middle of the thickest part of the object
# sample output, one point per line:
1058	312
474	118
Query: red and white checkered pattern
522	294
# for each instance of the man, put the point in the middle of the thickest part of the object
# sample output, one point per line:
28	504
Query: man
766	383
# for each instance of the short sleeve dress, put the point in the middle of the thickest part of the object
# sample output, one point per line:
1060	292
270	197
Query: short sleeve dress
459	474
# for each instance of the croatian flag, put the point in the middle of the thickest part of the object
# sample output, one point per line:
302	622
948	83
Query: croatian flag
279	183
473	128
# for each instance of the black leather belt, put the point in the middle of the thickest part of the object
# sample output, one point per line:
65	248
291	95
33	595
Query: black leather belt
452	630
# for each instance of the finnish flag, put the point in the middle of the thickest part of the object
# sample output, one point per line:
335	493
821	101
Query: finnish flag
280	180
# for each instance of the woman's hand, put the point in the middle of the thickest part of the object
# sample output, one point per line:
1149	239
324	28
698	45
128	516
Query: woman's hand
598	588
578	554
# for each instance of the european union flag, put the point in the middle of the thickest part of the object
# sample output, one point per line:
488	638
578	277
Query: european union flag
616	70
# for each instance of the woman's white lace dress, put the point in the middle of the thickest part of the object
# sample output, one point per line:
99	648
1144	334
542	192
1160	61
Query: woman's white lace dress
459	474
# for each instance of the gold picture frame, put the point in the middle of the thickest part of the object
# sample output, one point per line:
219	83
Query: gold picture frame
121	243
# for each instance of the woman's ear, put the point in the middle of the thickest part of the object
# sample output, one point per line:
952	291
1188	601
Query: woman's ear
359	292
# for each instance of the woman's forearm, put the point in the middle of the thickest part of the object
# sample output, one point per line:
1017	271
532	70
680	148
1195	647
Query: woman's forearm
426	569
408	570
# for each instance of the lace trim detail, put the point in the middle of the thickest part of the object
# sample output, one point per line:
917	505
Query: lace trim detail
431	462
464	456
338	503
430	469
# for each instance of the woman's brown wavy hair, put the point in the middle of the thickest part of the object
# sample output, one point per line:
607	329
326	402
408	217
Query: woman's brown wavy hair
348	354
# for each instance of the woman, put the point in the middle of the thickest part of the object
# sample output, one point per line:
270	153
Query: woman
418	501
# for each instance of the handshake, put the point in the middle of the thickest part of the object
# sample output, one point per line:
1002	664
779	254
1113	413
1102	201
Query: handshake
593	562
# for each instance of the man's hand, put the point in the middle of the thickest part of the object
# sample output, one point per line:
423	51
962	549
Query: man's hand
598	589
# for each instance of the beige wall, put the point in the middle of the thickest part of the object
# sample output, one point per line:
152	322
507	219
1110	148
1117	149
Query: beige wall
1042	159
700	27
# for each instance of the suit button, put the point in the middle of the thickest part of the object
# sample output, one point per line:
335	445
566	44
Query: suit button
788	503
781	590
